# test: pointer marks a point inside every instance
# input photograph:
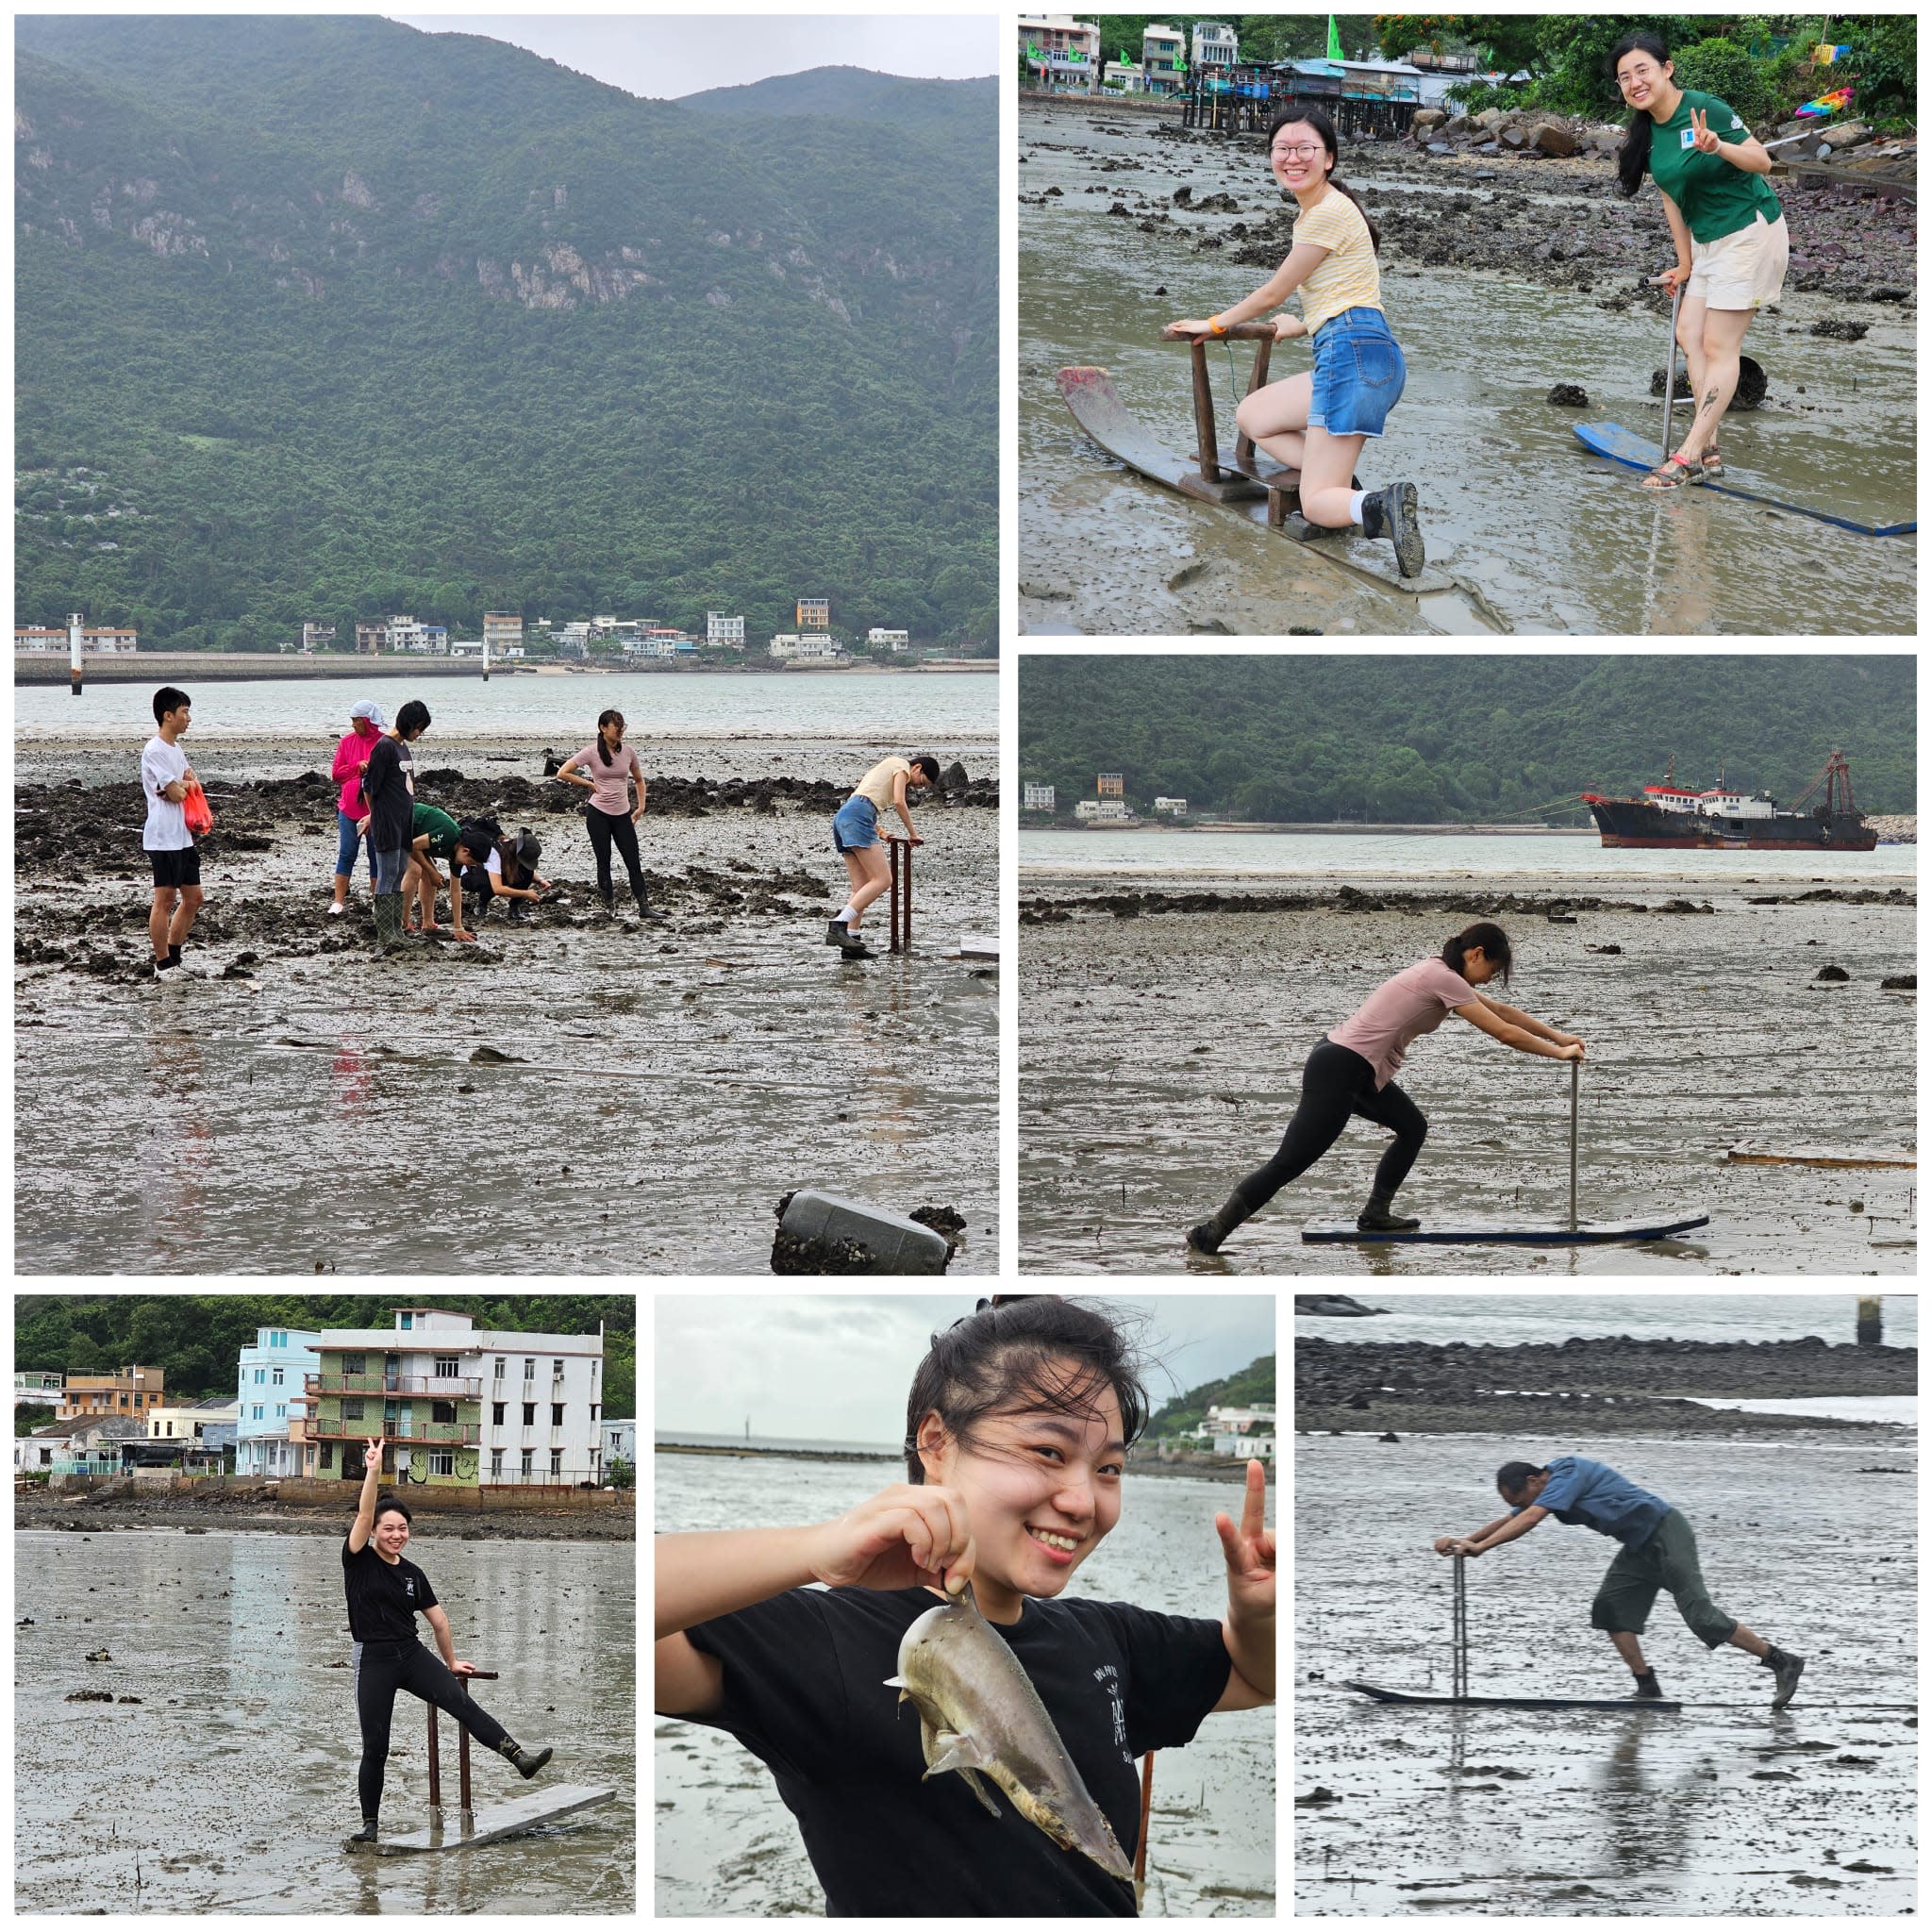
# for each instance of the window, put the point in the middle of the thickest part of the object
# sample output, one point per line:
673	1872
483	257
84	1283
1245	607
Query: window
526	1469
496	1415
556	1415
352	1409
447	1367
442	1462
442	1411
556	1369
530	1368
277	1376
502	1367
355	1365
327	1458
257	1411
593	1410
530	1415
496	1465
556	1462
405	1319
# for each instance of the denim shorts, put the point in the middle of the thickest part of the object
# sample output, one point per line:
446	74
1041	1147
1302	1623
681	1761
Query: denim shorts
855	824
348	840
1359	374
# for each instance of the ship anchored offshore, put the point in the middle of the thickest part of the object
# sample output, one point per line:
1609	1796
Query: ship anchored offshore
1723	820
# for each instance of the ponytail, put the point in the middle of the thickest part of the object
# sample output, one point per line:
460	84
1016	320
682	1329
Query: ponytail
1633	158
1489	937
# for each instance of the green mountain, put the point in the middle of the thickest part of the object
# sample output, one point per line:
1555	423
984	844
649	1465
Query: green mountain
1242	1389
1420	739
194	1337
326	318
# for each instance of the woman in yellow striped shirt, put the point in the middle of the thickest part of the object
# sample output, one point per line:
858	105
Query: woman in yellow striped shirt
1318	422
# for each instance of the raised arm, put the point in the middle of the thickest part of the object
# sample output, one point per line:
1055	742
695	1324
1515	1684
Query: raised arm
1515	1016
900	781
1506	1532
364	1526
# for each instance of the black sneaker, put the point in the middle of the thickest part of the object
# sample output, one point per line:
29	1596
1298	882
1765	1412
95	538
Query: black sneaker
1647	1688
1391	514
1788	1668
836	933
366	1836
1380	1221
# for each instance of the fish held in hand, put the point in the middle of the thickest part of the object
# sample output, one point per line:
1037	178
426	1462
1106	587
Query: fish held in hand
978	1712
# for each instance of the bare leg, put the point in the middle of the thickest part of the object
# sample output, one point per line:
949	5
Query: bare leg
342	888
184	915
1691	316
1631	1651
1716	383
1748	1639
869	873
1276	416
159	915
1325	478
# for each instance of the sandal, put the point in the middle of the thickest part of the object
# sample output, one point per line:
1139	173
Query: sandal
1662	478
1711	464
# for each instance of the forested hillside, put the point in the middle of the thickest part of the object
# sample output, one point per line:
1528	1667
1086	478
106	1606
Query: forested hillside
1242	1389
327	318
1424	739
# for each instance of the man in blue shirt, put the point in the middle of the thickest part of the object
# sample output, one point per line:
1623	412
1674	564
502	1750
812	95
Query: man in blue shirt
1659	1552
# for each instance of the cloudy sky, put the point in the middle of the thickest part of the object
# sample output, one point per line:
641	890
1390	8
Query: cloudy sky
837	1367
661	56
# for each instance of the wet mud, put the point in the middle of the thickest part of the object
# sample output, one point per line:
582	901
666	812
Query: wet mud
1162	1037
1605	1385
221	1779
1503	278
1723	1807
575	1091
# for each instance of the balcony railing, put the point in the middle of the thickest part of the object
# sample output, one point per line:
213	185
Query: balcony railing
333	1429
450	1388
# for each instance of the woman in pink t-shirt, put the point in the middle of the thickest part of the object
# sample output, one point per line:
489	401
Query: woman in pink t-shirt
1353	1072
612	767
351	761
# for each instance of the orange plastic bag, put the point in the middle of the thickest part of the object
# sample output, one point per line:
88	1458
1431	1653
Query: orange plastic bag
196	811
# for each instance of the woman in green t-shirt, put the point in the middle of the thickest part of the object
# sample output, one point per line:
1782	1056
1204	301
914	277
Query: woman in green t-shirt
1733	247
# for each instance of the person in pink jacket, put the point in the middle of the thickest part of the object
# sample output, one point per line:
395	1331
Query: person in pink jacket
352	761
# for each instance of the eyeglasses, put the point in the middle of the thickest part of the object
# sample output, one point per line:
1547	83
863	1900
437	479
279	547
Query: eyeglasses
1299	154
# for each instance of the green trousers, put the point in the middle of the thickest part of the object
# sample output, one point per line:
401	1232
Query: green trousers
1668	1560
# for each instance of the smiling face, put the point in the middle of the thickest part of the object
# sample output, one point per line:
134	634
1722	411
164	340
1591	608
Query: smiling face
1645	79
1298	158
392	1534
1043	1488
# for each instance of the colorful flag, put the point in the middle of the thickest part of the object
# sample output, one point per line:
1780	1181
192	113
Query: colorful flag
1833	102
1334	41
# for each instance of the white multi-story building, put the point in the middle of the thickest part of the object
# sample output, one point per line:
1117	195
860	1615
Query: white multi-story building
720	629
621	1443
270	1380
893	639
795	644
1036	797
1103	810
459	1406
503	631
38	1388
1173	808
1216	44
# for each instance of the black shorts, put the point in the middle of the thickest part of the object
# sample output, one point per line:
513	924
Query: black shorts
182	868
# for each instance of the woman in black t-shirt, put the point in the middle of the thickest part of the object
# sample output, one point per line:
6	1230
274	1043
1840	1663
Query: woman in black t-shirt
386	1593
1017	1430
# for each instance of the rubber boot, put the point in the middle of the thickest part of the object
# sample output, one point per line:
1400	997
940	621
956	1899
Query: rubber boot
1379	1218
1391	514
1647	1688
528	1763
388	923
1789	1669
366	1836
645	909
836	933
609	899
1207	1238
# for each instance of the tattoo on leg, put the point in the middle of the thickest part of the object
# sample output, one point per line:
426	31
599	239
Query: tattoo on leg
1710	396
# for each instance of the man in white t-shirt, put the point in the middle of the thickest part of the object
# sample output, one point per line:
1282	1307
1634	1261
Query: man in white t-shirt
166	779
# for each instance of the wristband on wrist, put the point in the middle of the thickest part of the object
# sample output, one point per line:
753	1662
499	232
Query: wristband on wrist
1216	326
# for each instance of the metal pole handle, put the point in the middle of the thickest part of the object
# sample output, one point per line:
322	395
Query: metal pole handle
1671	371
1575	1078
1458	1665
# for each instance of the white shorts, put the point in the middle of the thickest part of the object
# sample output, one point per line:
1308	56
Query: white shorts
1742	270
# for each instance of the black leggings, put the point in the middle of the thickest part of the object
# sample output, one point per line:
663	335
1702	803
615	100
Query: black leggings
1336	1083
381	1671
619	825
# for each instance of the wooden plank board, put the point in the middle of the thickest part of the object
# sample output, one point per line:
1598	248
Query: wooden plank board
525	1812
1636	452
1816	1157
1090	394
1589	1234
1381	1696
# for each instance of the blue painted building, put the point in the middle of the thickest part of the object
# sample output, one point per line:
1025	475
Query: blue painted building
271	1377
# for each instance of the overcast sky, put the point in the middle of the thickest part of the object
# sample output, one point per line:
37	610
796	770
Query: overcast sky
837	1367
662	57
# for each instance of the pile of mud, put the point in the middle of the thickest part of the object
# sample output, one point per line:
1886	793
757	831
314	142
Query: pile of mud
1601	1385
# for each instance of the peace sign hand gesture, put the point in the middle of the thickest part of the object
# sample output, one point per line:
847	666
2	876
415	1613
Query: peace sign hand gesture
1702	139
1249	1550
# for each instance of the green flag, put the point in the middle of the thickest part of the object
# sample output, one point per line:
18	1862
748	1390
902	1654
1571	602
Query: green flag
1334	41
